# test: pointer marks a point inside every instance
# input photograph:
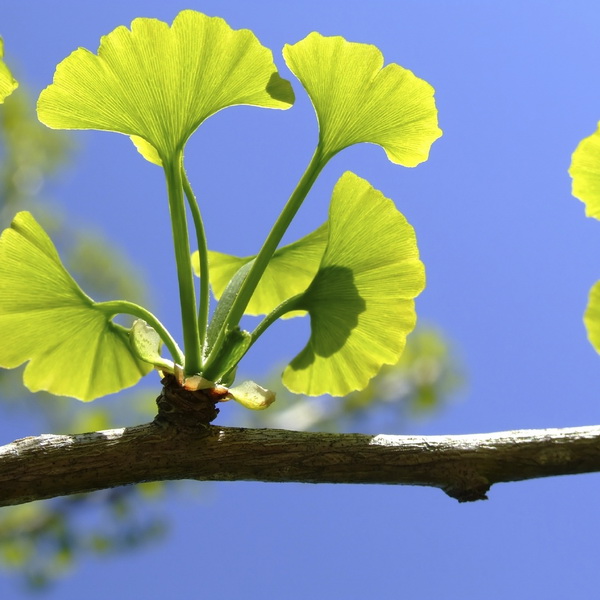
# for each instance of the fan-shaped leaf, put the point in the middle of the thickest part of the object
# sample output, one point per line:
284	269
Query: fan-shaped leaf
159	82
585	171
361	301
358	100
73	348
591	317
289	272
8	84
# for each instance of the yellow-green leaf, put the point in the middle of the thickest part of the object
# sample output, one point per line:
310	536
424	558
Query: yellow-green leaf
72	347
289	272
357	99
252	396
585	171
591	317
361	301
159	83
146	345
8	84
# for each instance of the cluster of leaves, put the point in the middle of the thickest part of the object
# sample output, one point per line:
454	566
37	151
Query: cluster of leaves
585	172
43	540
356	276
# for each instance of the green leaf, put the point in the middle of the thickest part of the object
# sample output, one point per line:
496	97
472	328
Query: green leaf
290	271
159	83
361	301
147	150
8	84
73	348
146	344
591	317
358	100
585	171
227	299
252	396
223	365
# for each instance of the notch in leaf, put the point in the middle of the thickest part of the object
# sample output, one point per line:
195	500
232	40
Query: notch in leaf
159	83
357	99
361	301
71	345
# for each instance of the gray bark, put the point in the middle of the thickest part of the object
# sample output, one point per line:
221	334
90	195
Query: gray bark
463	466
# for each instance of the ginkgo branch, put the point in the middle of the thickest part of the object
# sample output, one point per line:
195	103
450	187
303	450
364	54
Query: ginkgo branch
463	466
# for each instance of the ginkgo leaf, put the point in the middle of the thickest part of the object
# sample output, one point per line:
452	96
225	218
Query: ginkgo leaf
159	83
592	316
358	100
8	84
146	344
585	171
289	272
146	149
252	396
361	300
73	347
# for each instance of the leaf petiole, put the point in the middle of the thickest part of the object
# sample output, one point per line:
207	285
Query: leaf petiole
239	304
123	307
187	296
203	258
286	306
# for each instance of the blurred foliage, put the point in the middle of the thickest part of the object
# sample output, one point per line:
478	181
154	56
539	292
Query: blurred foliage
44	540
29	154
425	377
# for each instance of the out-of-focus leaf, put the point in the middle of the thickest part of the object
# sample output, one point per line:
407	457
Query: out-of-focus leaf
427	375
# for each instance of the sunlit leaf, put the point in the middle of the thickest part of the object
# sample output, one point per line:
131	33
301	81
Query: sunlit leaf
8	84
252	396
147	150
591	317
146	344
159	83
357	99
585	171
233	348
361	301
289	272
73	348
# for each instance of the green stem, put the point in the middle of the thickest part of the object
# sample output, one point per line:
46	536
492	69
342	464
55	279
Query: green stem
285	307
183	259
203	257
318	161
123	307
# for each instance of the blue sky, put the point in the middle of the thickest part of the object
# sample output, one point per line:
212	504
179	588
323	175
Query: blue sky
510	259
